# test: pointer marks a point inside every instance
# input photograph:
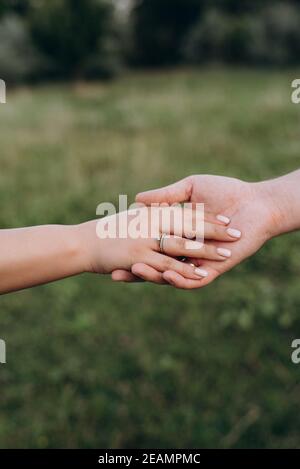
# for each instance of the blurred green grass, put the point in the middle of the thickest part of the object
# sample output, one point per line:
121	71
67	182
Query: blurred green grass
94	364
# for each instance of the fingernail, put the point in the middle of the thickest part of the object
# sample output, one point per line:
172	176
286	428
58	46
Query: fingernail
223	219
224	252
201	272
234	233
193	245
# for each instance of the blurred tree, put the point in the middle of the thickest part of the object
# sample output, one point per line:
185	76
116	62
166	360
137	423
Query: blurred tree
20	7
71	33
206	40
159	27
238	7
275	35
258	32
19	59
84	38
219	37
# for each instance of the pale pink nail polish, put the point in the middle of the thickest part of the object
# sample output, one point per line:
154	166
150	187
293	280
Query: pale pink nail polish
224	252
234	233
223	219
201	272
193	245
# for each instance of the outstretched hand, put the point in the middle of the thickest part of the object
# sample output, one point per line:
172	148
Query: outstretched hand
248	205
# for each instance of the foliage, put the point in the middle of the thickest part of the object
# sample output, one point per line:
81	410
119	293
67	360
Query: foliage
275	37
159	27
96	364
71	34
82	39
19	59
20	7
269	35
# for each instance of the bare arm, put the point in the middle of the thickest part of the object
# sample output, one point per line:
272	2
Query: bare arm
41	254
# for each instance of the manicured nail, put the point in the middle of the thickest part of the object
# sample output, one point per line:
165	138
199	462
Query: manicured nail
201	272
224	252
223	219
234	233
193	245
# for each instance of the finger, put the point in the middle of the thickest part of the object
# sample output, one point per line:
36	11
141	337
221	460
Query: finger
221	233
178	192
124	276
175	246
183	220
178	281
218	267
188	223
163	263
148	273
216	218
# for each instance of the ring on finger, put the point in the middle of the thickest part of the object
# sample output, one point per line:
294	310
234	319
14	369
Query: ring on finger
161	241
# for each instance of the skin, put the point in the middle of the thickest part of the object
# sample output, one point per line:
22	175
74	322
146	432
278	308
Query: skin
41	254
261	211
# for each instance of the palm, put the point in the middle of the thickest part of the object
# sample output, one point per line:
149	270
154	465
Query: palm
239	201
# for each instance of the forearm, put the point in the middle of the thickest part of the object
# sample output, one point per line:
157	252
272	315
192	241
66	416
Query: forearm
283	195
37	255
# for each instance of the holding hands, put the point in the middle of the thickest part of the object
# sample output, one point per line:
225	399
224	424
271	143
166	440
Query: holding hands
174	247
166	233
36	255
260	210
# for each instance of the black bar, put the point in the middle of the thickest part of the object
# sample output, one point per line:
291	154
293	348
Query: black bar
149	457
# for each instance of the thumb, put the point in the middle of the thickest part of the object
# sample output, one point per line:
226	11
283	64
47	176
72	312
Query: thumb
174	193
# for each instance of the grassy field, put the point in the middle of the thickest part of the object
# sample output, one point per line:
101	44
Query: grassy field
96	364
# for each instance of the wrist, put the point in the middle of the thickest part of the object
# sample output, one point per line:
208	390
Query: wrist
92	249
80	246
274	196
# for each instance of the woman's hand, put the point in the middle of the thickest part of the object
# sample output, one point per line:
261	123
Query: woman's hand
107	251
41	254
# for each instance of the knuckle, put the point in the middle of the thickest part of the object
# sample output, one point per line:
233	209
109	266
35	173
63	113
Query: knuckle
168	263
210	251
180	243
185	269
215	229
220	230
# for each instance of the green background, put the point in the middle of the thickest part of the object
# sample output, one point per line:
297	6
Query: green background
96	364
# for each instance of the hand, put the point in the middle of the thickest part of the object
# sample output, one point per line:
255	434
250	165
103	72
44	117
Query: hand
249	206
105	254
